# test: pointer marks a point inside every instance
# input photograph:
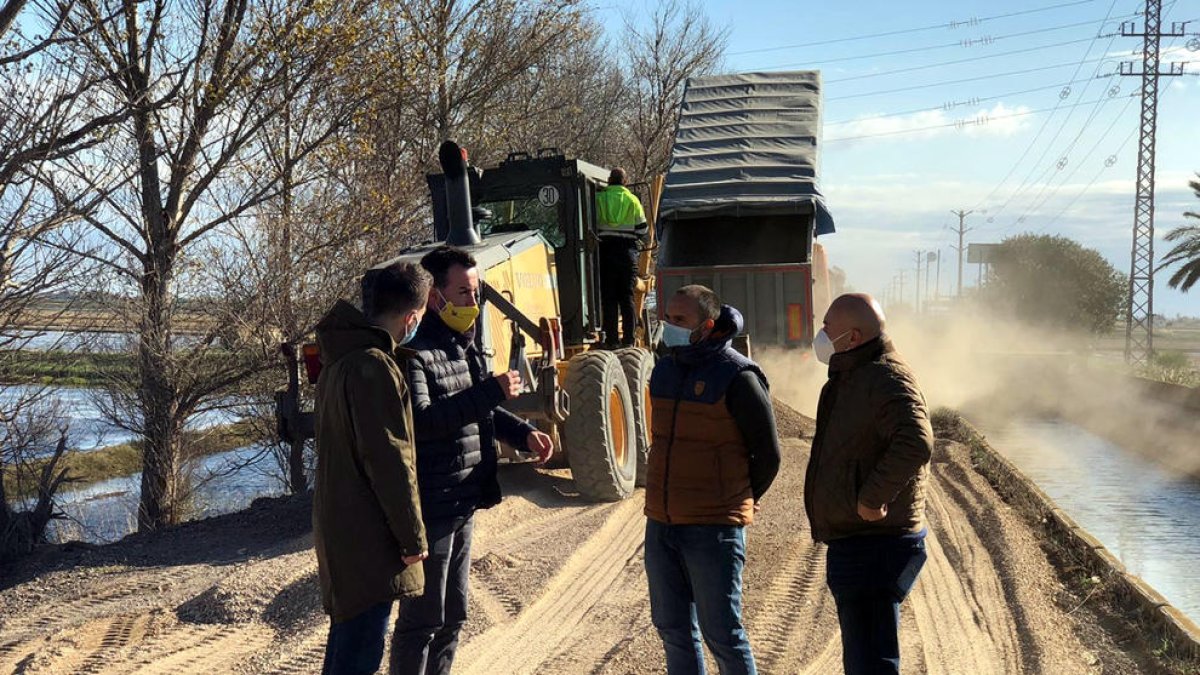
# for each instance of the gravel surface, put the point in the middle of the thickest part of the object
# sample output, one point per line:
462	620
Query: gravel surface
558	587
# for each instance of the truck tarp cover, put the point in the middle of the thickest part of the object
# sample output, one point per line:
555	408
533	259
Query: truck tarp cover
747	146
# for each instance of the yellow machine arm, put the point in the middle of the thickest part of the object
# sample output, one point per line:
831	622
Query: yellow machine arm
646	260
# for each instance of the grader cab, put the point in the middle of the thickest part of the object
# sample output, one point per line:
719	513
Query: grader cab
531	225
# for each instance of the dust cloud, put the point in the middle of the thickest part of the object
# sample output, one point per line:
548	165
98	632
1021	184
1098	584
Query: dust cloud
994	370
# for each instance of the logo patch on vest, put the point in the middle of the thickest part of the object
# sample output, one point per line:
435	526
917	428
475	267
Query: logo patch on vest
699	389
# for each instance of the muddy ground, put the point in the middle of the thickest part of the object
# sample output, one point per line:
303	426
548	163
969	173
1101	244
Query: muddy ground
558	587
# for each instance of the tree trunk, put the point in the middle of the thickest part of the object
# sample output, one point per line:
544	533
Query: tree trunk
160	497
297	479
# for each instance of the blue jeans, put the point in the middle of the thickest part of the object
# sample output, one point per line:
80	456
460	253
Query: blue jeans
426	635
869	577
695	575
355	646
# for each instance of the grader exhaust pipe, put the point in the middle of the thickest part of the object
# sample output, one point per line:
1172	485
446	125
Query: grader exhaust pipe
462	230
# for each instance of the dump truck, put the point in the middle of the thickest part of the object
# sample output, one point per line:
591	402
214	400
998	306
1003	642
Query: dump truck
530	222
741	208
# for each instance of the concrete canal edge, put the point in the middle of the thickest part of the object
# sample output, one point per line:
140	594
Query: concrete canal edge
1168	625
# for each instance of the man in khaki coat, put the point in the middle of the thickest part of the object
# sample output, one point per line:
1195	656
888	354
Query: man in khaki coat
864	490
367	523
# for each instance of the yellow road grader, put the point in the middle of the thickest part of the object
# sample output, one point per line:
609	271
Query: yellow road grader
531	225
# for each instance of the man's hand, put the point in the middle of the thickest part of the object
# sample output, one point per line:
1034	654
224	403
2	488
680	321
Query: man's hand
541	444
414	559
510	384
871	515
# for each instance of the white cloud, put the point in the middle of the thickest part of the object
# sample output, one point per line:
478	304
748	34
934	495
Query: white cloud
1000	120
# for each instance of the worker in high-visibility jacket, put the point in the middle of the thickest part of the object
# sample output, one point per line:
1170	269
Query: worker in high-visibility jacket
621	225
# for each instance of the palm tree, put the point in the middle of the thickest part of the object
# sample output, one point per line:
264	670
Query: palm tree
1186	251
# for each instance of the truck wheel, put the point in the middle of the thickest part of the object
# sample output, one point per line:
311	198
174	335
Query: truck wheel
599	432
638	363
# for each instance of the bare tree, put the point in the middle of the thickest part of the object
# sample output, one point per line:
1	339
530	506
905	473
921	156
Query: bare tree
198	84
33	443
572	98
45	117
678	42
462	56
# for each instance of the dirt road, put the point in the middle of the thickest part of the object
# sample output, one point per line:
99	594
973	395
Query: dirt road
558	587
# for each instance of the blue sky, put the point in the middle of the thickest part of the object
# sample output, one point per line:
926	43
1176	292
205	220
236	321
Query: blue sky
901	149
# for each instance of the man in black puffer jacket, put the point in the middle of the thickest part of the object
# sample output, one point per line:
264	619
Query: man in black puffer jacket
456	419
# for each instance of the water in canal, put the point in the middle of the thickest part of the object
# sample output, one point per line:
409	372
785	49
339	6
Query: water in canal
106	511
1144	515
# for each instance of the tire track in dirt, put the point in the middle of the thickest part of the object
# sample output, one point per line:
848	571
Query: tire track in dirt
828	660
305	657
794	598
44	632
120	633
543	526
140	585
958	601
202	649
79	650
546	626
624	612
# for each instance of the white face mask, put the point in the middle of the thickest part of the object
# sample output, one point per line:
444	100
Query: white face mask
676	336
823	346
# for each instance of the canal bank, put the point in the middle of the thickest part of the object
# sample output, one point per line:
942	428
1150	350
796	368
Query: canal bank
1024	461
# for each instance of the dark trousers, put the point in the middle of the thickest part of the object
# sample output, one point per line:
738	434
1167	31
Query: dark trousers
695	575
869	578
427	628
618	278
355	646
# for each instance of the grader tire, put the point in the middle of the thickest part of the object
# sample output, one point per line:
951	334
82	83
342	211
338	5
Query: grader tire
638	364
599	432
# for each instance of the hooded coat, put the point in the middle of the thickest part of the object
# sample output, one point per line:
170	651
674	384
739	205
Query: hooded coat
366	506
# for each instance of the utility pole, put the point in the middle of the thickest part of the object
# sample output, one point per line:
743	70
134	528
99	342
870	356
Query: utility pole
1139	318
900	294
917	295
937	287
929	257
961	248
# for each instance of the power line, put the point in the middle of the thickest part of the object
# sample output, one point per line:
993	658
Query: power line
943	64
987	40
1029	182
1078	165
977	78
908	31
1026	182
1092	182
1046	123
973	100
1109	162
978	121
1043	177
1038	202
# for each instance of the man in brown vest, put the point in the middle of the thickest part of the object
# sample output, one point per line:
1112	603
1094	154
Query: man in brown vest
714	454
865	486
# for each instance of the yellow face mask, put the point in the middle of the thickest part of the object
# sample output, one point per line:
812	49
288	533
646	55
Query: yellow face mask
459	319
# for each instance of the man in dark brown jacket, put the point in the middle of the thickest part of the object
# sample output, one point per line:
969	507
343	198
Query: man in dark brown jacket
864	490
367	523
